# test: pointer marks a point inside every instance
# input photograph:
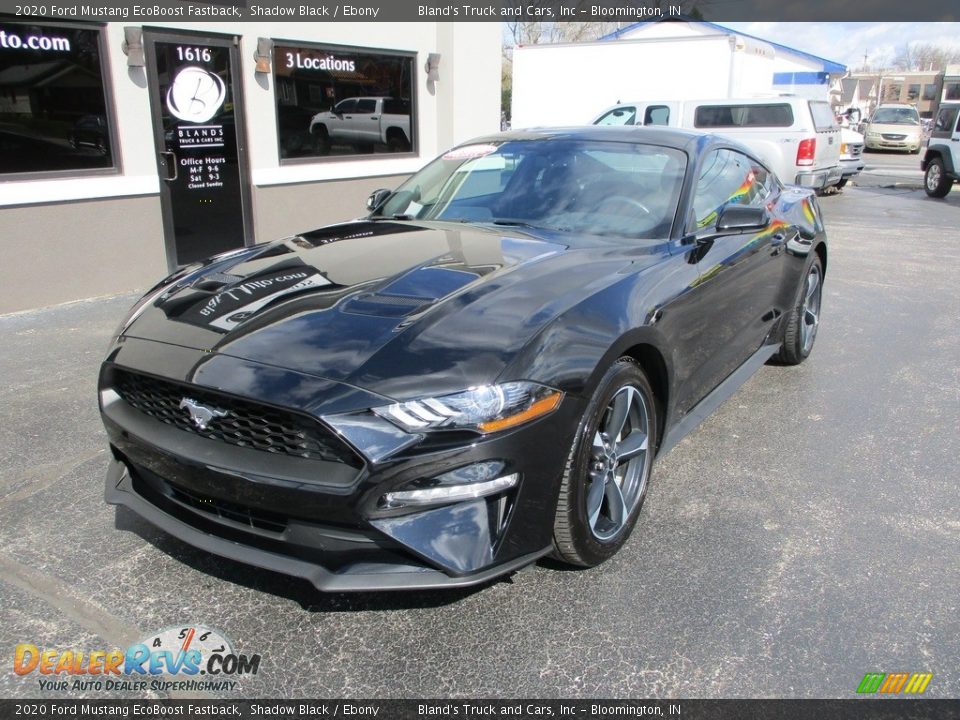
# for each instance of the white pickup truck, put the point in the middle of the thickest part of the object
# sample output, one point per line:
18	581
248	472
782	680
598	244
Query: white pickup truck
364	122
797	138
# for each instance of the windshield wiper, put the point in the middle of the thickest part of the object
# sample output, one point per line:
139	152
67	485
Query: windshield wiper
395	216
514	222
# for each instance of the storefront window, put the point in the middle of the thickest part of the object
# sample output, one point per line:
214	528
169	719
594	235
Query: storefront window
334	101
53	108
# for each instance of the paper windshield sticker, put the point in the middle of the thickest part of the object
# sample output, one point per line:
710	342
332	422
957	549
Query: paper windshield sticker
469	152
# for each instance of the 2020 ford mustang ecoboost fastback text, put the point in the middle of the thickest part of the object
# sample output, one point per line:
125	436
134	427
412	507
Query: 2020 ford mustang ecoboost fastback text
477	374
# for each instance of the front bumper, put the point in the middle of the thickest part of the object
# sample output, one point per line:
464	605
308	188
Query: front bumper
361	577
852	166
881	143
324	520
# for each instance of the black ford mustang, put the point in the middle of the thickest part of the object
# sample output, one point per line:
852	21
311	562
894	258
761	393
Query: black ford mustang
477	374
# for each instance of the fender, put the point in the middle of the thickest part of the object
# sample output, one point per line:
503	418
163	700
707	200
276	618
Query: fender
945	156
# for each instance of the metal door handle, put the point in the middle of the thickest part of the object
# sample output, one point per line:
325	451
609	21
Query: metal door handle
169	161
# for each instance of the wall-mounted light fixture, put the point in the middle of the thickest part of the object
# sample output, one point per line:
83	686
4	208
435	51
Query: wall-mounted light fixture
133	46
432	67
263	54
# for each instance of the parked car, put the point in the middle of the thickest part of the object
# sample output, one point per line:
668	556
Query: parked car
941	162
894	127
797	138
363	122
90	131
477	374
851	155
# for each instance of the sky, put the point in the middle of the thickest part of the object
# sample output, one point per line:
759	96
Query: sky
846	42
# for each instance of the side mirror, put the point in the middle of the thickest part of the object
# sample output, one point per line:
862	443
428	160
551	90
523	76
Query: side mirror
742	217
378	198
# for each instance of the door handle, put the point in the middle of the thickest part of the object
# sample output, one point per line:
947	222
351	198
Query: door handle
374	119
169	161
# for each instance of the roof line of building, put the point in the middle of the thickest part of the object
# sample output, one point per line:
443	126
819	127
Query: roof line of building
828	65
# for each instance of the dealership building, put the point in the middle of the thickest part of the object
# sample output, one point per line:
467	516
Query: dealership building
129	149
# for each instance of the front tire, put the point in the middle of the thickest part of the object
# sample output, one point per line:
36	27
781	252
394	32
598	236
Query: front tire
935	180
608	469
804	319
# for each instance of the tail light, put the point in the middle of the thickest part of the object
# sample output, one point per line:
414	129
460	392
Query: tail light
806	151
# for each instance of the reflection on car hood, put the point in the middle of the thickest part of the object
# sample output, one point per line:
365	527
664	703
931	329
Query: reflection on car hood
393	307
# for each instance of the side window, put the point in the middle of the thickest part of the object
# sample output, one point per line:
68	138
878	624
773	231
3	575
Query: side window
366	106
347	106
946	120
728	177
619	116
657	115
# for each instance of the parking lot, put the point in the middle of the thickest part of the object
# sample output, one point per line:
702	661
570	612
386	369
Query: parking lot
807	533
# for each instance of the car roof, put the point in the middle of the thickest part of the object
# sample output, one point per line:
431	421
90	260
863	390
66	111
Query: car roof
659	135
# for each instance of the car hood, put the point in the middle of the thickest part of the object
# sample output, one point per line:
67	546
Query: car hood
397	308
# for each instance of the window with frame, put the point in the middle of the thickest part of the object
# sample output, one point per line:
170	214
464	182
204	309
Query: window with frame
53	100
951	91
728	177
929	91
752	115
337	101
626	115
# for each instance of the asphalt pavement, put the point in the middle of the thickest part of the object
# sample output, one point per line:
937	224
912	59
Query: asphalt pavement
807	533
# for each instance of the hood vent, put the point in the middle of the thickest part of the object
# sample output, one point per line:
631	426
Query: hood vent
391	306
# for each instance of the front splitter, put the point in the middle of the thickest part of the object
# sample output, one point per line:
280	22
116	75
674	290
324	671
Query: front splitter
119	491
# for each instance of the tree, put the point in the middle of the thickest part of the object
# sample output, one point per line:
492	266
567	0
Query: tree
925	56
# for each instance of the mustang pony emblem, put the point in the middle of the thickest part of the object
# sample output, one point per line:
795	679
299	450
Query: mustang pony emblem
201	414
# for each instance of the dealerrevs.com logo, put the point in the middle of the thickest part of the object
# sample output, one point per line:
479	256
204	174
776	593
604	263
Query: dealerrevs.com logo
173	659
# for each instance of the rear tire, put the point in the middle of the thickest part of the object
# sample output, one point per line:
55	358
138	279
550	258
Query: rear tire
935	180
601	494
804	319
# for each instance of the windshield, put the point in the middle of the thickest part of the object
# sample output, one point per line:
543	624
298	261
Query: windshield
896	116
628	190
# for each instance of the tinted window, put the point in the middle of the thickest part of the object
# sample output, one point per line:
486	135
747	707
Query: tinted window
728	177
951	91
53	110
929	91
657	115
766	115
619	116
620	189
823	117
311	81
946	120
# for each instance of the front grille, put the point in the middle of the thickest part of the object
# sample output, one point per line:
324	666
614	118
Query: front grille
257	519
887	136
243	423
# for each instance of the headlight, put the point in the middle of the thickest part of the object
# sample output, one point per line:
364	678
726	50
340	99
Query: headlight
486	409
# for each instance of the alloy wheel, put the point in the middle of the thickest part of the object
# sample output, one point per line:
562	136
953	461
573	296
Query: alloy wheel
933	177
810	312
619	463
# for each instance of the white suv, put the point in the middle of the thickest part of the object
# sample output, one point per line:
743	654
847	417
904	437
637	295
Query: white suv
941	162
